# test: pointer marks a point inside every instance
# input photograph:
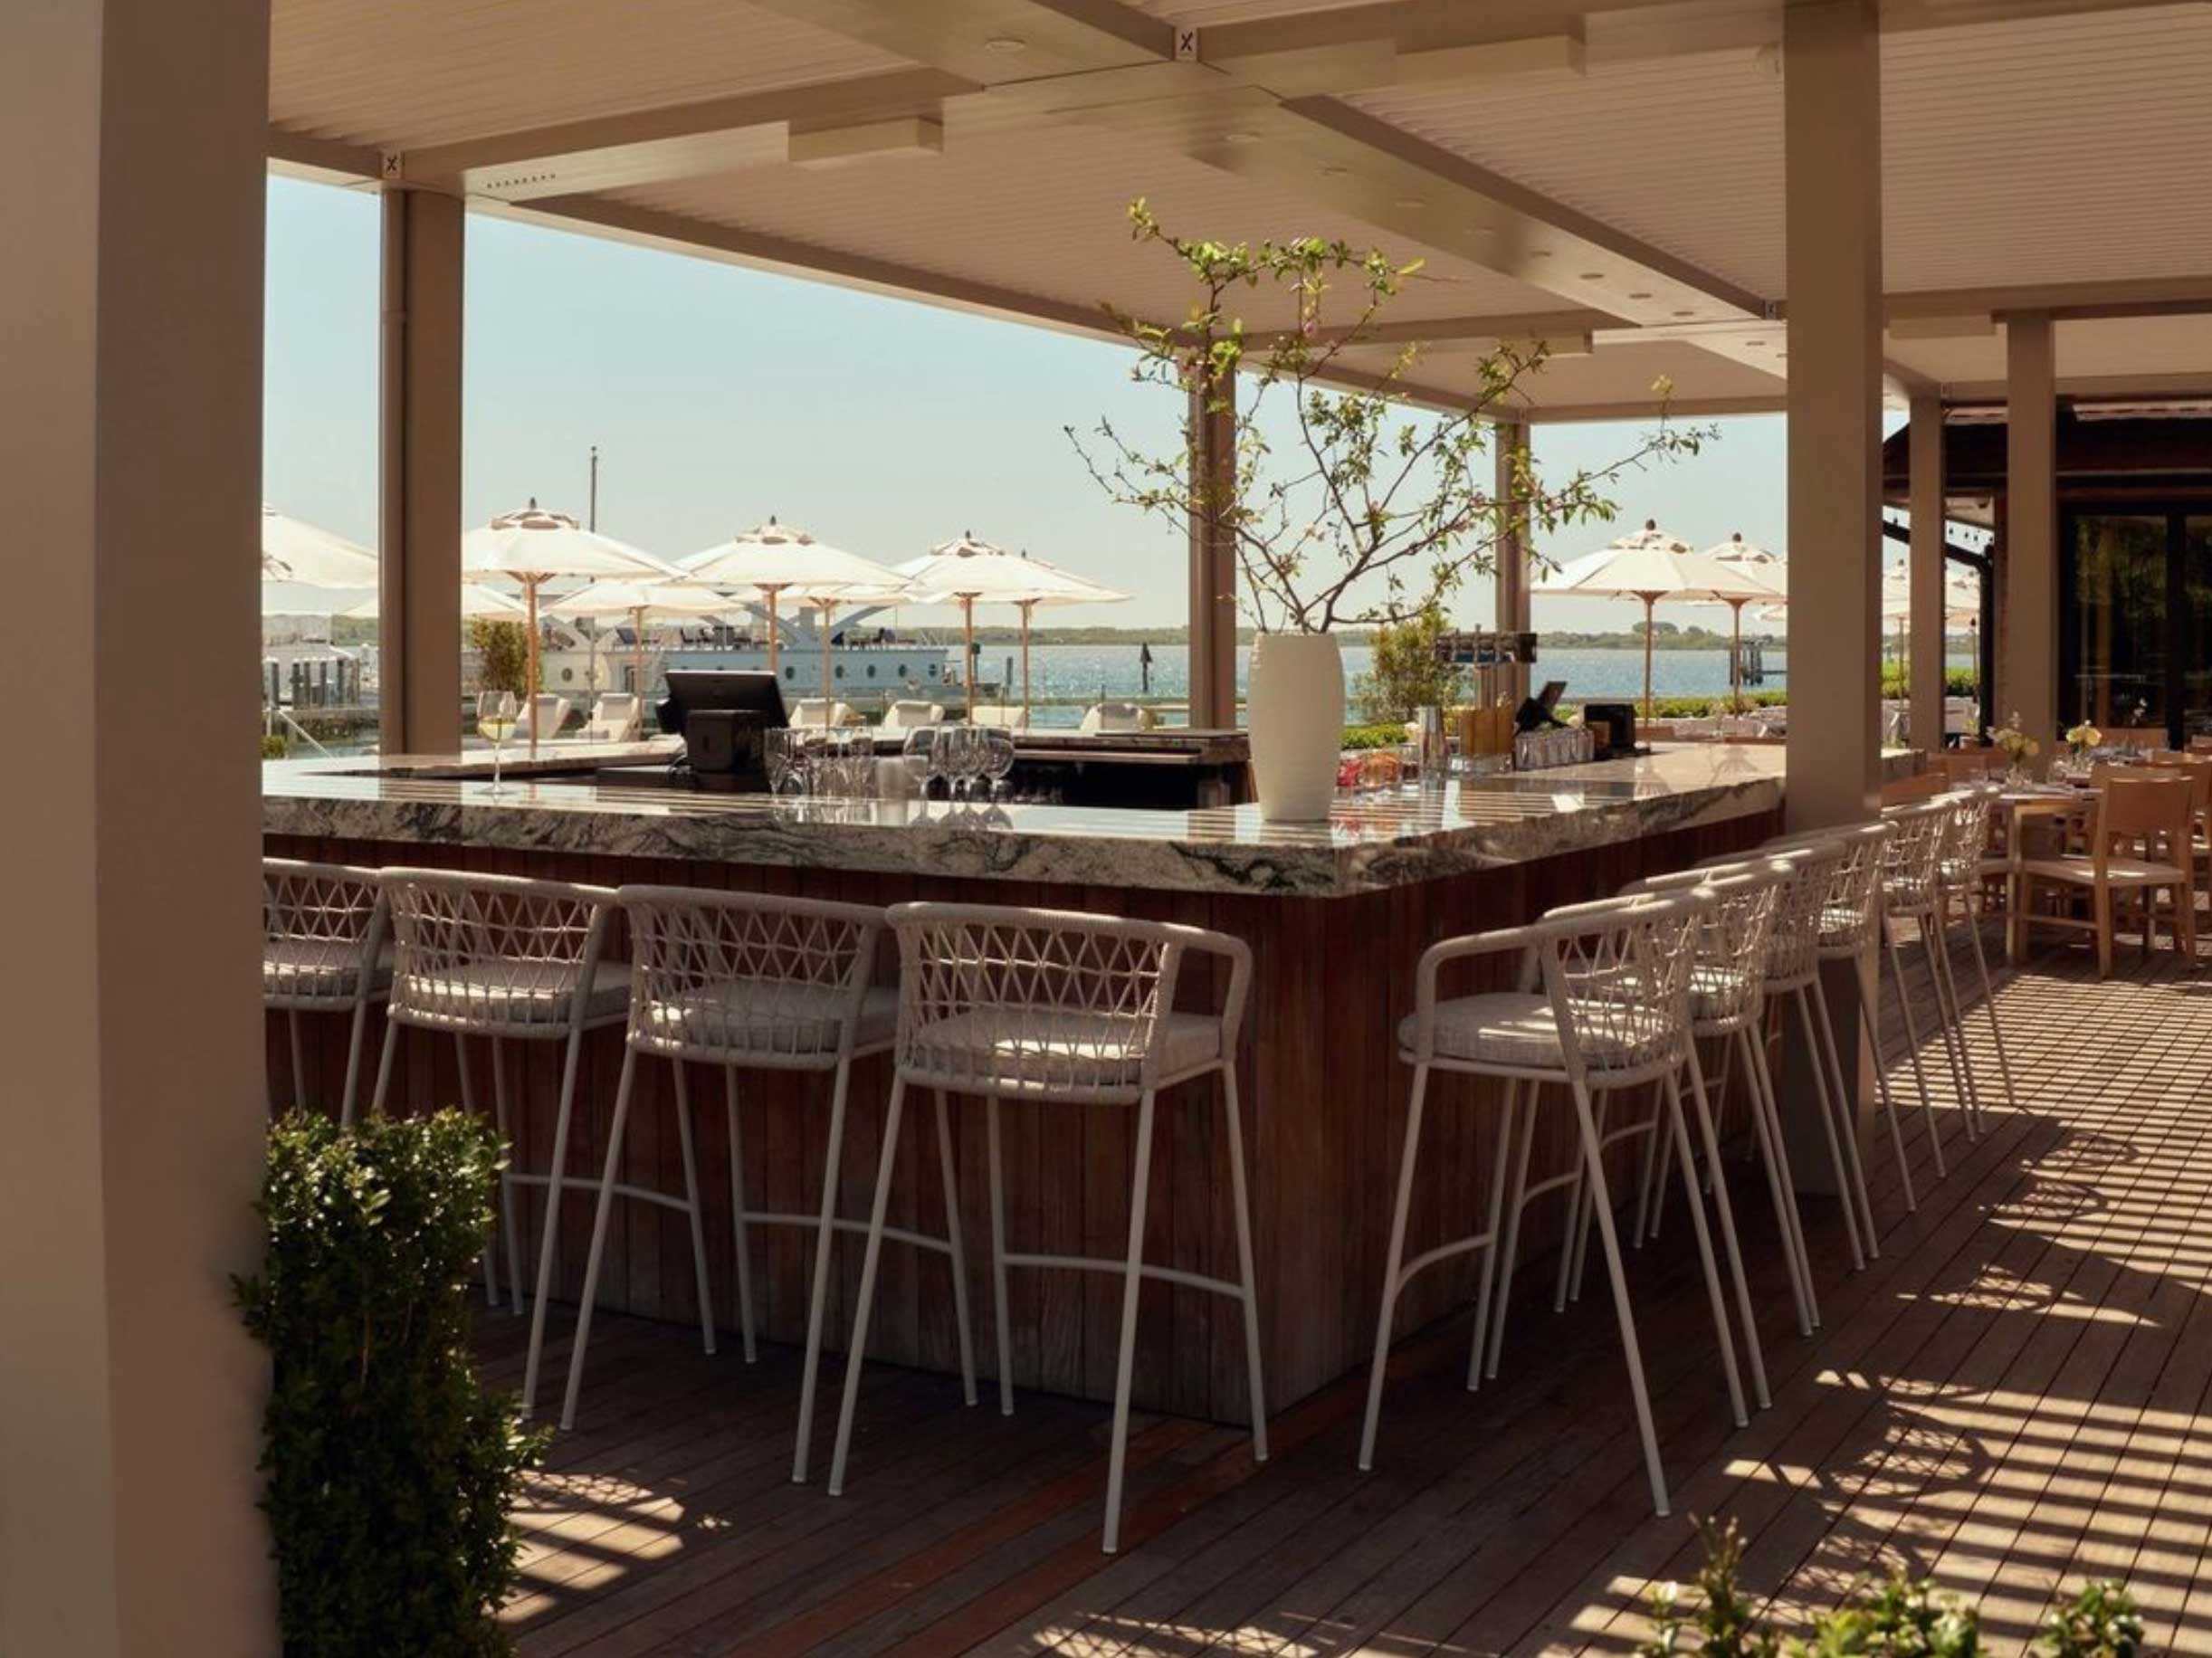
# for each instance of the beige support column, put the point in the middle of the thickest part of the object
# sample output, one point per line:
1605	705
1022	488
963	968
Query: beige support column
1832	140
130	323
1925	441
1510	447
1213	559
419	504
2028	596
1832	131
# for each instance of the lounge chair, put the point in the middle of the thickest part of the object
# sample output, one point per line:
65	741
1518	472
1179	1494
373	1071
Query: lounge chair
814	711
541	717
617	717
902	716
999	715
1104	716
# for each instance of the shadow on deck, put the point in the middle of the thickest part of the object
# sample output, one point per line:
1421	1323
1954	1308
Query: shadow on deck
2012	1399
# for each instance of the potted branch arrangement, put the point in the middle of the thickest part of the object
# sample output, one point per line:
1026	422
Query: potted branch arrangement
1347	502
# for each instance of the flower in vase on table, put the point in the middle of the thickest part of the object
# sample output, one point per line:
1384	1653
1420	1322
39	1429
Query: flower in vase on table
2082	739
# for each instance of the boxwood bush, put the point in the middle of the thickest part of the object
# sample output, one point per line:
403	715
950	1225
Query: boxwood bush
389	1471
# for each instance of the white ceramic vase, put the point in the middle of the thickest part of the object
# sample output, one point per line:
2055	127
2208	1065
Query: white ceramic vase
1296	711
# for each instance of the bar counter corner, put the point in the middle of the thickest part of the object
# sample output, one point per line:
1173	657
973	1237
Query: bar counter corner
1337	916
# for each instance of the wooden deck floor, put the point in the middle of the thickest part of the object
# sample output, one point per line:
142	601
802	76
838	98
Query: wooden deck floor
2018	1395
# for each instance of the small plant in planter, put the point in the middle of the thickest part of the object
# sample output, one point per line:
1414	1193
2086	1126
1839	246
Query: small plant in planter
1374	511
390	1472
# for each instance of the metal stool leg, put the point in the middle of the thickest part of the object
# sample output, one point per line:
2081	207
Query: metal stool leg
740	1240
509	1211
1497	1216
1594	1171
1870	1007
1392	1260
468	1108
1132	1281
1714	1293
556	1180
825	1231
1512	1233
1247	1277
1725	1209
954	1252
698	1211
1767	1131
1846	1120
1828	1123
998	1255
383	1067
1988	1004
857	1348
616	1133
298	1061
353	1058
1913	1043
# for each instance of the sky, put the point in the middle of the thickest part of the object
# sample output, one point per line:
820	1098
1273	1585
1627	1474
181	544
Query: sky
720	397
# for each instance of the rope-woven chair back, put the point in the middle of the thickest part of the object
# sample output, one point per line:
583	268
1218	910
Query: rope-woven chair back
1008	1000
1800	903
1851	909
319	924
492	953
1729	978
1911	863
1619	981
1966	833
745	975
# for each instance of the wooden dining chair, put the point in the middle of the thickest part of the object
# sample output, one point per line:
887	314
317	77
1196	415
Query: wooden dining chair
2140	843
1921	785
1970	765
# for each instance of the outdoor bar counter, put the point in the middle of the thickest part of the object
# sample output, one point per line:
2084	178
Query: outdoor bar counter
1336	915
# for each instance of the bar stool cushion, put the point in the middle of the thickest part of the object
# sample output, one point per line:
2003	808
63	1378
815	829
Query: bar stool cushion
766	1016
318	969
1508	1028
499	992
1061	1047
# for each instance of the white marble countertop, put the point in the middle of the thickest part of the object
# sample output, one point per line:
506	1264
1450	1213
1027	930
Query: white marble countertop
1367	844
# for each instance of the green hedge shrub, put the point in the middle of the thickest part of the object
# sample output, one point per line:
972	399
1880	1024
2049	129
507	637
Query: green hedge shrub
389	1472
1900	1618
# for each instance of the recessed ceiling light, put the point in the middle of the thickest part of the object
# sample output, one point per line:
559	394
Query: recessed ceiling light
1411	201
1005	42
1540	253
1685	313
1754	342
1593	276
1486	231
1239	138
1639	293
1334	171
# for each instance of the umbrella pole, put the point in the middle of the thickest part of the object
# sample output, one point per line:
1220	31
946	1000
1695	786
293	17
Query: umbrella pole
828	700
1735	655
530	677
1026	608
638	641
775	639
1649	601
968	659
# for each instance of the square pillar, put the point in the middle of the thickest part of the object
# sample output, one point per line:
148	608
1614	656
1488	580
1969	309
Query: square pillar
130	323
418	612
1510	452
1925	438
1832	141
1832	144
2027	593
1212	442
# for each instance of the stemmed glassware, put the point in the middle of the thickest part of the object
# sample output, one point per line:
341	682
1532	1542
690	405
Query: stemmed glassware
997	757
787	761
965	762
918	753
496	714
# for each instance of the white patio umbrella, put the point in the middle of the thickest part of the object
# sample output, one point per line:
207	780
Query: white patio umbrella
1753	561
774	559
969	572
533	547
618	597
477	604
296	551
1650	565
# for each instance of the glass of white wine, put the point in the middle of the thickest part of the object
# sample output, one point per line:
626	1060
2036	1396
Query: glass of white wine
496	714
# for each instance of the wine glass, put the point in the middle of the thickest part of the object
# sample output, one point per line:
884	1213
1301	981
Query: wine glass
961	758
786	773
918	753
496	714
997	757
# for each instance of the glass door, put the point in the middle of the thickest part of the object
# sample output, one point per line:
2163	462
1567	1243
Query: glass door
2115	646
2191	536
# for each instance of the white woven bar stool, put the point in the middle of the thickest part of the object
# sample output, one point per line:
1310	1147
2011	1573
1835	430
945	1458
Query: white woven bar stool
1062	1009
323	931
752	982
1912	889
1961	873
1613	1012
514	960
1851	931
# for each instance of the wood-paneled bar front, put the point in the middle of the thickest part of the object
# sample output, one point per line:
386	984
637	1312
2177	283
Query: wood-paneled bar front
1337	917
